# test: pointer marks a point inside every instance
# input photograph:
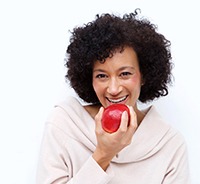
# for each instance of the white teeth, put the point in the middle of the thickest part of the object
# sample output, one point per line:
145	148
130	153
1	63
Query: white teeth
117	100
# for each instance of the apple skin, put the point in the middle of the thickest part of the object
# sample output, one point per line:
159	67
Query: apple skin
111	117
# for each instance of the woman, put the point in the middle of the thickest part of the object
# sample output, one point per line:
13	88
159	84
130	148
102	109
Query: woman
114	60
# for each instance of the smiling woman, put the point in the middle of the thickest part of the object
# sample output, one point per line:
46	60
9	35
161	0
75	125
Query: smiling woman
109	34
114	60
118	79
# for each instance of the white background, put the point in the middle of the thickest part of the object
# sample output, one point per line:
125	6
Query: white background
33	38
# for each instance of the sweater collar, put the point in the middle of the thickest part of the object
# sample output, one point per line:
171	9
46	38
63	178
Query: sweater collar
147	140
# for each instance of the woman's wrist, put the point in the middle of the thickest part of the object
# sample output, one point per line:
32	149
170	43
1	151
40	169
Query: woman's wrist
103	161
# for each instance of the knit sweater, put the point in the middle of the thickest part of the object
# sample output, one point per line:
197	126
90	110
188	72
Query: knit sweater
156	155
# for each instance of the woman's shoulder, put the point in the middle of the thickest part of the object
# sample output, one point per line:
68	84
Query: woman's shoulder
68	102
73	104
157	126
64	109
69	114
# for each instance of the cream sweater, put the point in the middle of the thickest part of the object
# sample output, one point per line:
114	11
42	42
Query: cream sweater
157	154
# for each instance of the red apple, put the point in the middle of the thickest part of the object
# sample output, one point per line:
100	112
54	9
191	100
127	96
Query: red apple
112	117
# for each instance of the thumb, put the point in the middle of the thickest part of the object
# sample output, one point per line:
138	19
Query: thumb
98	118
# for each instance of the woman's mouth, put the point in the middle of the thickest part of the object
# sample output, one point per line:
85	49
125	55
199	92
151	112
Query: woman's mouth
118	100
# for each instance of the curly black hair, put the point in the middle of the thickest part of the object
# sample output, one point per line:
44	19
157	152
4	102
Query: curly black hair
100	38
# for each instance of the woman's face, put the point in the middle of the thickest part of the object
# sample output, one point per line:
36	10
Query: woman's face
118	79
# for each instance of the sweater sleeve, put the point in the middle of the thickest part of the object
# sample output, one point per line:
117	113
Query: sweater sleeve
92	173
178	171
54	165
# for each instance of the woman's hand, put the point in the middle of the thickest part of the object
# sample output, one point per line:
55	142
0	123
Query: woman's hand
109	144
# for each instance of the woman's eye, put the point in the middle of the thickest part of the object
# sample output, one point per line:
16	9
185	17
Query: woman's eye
124	74
101	76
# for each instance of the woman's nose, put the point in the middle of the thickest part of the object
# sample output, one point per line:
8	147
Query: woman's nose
114	87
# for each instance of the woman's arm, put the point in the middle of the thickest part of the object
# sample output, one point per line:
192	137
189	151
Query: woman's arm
54	163
108	145
178	171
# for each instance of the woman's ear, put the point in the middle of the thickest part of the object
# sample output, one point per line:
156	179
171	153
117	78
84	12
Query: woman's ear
142	81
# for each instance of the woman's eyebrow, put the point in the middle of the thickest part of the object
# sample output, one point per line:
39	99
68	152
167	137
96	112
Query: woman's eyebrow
120	69
127	67
98	70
